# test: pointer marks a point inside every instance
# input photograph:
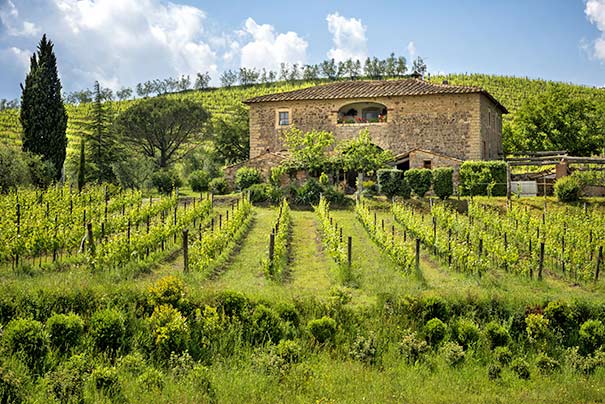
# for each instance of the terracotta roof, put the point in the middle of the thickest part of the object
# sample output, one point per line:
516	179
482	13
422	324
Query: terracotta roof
371	89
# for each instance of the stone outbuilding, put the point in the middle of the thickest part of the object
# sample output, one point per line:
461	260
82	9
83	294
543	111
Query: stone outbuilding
437	124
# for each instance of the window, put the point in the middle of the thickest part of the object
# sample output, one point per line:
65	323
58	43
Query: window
427	164
284	118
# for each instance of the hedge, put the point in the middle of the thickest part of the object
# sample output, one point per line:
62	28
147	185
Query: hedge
477	177
420	180
443	182
392	182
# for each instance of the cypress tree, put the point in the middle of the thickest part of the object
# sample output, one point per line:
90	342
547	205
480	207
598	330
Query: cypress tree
101	143
43	115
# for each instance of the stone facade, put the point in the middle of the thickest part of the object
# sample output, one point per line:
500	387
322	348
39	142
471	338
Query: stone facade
461	126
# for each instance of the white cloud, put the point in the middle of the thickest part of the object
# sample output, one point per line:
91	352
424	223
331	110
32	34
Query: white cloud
124	42
266	48
349	37
412	50
595	11
9	17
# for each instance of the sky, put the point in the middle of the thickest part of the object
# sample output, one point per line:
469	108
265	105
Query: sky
124	42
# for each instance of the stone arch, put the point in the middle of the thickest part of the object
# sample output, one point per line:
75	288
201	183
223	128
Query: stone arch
362	112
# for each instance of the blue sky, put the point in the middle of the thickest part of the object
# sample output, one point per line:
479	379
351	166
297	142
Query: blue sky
122	42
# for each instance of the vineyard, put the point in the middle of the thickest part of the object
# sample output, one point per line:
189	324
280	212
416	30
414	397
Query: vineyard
109	295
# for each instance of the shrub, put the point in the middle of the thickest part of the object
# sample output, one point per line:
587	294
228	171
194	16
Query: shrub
568	189
546	364
453	353
169	330
180	364
412	348
494	371
481	177
167	290
393	183
309	192
466	332
199	378
559	314
537	327
152	379
370	188
133	363
364	349
105	379
496	335
324	180
592	335
166	181
266	325
521	368
198	181
334	196
443	182
107	330
218	186
288	313
66	383
233	304
65	330
246	177
323	329
27	339
13	168
260	192
289	351
503	355
435	331
434	307
419	180
12	380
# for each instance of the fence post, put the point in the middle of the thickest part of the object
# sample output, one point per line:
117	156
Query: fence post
91	243
186	250
349	250
271	249
599	260
417	254
541	264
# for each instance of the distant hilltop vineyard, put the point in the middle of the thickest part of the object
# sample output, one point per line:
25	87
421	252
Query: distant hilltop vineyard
509	91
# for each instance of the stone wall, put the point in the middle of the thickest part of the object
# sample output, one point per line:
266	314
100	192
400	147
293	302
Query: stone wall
452	124
418	157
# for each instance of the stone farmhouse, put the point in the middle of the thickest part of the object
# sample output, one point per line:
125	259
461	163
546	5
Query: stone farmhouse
424	125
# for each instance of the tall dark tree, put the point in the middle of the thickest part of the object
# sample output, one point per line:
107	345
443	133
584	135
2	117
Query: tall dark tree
101	142
43	115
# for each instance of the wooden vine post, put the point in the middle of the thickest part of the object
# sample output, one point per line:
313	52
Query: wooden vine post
186	250
349	251
541	263
417	255
599	261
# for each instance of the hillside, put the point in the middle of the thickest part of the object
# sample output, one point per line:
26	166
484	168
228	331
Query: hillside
510	91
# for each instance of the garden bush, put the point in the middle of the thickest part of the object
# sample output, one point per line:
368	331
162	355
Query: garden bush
503	355
28	340
443	182
166	181
393	183
218	186
105	379
419	180
64	331
324	180
233	304
199	180
494	371
169	331
483	178
152	379
568	189
521	368
365	349
289	351
66	382
107	330
260	192
246	177
546	364
435	331
265	325
537	328
323	329
167	290
309	192
334	196
453	353
496	335
12	383
413	348
592	335
434	307
466	332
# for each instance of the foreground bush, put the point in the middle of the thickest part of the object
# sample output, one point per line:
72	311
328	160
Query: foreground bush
65	331
443	182
218	186
107	330
568	189
199	180
393	183
246	177
419	180
28	340
323	329
166	181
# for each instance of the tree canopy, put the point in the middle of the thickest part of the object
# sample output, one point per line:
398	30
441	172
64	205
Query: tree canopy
362	156
308	149
164	129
